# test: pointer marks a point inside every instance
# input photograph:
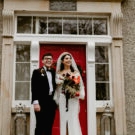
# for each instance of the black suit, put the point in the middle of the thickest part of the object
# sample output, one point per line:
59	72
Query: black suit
40	92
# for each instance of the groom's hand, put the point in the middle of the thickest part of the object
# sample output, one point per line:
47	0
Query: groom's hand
36	107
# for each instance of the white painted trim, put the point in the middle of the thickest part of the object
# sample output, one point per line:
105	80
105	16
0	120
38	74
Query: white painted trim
90	42
34	50
91	101
79	39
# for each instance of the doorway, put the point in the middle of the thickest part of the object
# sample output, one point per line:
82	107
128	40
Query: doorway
79	54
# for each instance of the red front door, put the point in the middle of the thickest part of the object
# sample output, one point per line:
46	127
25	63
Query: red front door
79	54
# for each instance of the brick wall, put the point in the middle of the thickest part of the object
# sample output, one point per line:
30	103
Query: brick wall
128	9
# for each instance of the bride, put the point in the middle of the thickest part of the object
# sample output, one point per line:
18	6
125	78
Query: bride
70	89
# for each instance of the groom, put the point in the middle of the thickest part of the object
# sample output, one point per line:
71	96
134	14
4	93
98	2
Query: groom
42	87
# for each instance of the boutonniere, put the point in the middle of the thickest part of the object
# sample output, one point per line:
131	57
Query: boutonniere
42	71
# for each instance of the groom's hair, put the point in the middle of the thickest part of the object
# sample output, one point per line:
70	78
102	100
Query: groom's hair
47	54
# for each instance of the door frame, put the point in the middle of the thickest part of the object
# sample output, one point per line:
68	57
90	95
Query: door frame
89	42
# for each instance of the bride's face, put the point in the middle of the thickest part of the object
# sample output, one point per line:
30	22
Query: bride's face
67	60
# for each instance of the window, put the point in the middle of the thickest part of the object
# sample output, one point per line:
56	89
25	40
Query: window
26	24
54	25
62	25
22	73
102	73
100	26
69	26
85	26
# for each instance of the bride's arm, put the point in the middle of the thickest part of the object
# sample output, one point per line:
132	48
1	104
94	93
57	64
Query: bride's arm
59	81
82	89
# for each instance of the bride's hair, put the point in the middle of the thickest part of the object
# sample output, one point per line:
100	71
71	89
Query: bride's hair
62	65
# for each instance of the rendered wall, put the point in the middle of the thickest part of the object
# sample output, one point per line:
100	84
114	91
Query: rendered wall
43	5
128	9
0	38
114	11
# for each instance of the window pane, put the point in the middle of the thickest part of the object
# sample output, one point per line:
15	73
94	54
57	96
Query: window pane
24	24
42	25
54	25
22	71
100	26
101	53
69	26
22	53
22	90
34	25
102	72
85	26
102	91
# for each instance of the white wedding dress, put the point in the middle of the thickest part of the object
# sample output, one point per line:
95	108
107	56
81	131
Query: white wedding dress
68	118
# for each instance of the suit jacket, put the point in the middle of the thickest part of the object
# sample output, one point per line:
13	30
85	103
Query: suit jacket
40	88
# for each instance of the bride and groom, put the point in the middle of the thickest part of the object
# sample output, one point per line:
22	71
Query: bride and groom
62	87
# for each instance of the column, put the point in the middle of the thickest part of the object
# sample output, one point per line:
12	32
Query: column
91	100
34	65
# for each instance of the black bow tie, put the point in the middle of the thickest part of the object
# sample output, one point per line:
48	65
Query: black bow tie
48	69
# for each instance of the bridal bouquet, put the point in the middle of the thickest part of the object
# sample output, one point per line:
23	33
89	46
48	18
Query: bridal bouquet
70	87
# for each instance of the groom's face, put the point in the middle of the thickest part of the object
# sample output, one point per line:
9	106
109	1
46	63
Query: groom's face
47	61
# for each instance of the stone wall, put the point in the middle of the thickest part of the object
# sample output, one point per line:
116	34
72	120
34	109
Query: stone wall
1	6
128	9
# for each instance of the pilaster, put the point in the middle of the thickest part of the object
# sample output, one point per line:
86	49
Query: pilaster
8	17
34	65
117	17
91	102
6	73
34	55
118	75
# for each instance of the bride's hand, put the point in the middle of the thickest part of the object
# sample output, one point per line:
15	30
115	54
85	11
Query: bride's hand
59	79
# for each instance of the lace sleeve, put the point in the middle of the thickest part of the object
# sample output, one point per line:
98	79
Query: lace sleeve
59	81
82	89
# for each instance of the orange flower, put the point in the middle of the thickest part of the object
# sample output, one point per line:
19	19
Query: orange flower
76	79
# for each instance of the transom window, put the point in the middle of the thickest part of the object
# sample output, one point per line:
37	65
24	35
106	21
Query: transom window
62	25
